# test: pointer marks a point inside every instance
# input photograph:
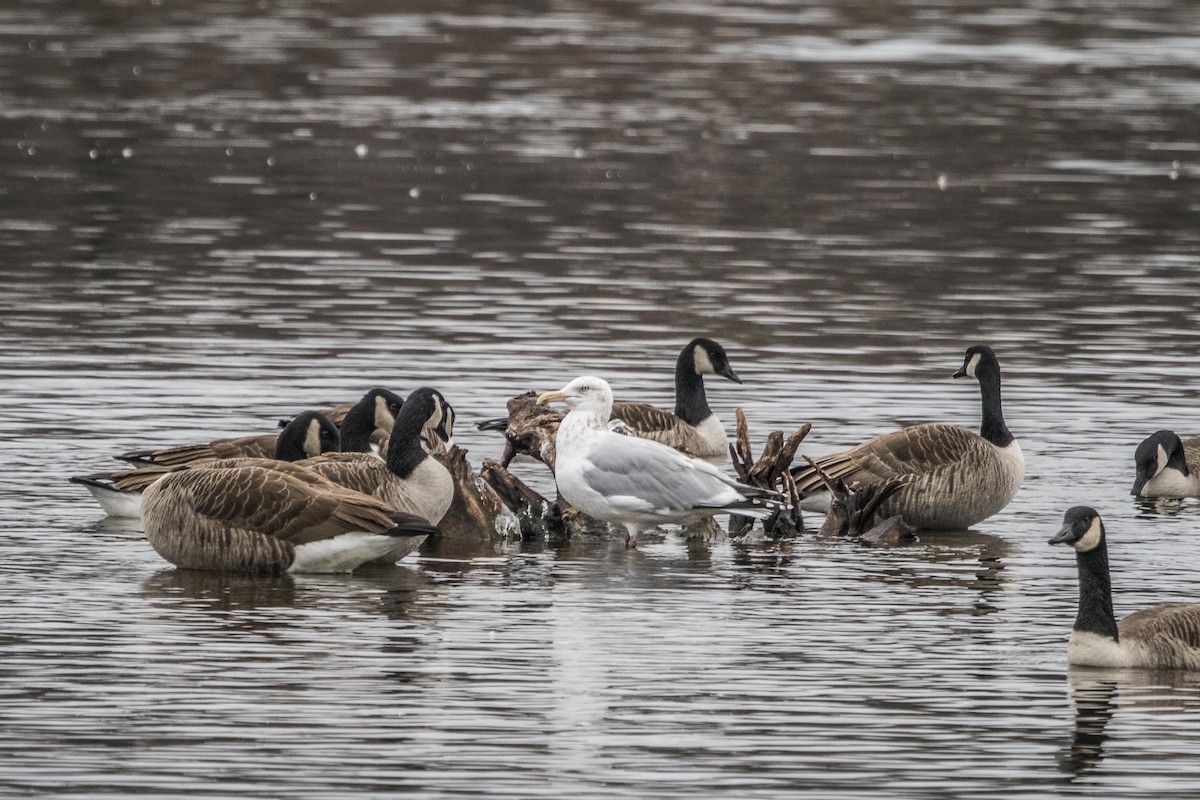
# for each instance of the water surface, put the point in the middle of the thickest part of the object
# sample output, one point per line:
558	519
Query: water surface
216	215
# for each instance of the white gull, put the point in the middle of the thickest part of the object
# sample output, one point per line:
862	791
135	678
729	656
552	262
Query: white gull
632	482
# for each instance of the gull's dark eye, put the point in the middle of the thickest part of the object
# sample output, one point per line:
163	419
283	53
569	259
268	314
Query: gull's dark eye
392	407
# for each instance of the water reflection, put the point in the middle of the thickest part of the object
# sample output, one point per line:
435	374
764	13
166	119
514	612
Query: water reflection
219	591
1095	703
1135	698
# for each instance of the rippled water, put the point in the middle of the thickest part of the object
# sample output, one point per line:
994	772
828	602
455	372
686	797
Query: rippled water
215	215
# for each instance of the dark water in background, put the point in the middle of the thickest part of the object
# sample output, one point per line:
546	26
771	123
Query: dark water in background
212	215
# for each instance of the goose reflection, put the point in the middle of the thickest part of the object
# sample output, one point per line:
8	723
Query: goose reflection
916	566
1095	700
221	591
1149	507
242	592
1142	697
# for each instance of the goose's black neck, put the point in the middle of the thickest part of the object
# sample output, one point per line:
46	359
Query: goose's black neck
358	425
993	428
691	404
404	452
1095	593
1178	458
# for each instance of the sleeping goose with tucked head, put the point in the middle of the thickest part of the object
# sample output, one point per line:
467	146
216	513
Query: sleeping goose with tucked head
692	427
409	479
377	407
954	477
363	422
1167	466
387	405
120	493
633	482
260	515
1160	637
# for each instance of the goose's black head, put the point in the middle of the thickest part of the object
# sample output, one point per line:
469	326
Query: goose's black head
708	358
386	406
445	431
979	360
1158	451
1081	528
377	409
307	435
431	408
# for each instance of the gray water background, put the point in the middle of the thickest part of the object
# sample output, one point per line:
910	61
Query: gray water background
216	214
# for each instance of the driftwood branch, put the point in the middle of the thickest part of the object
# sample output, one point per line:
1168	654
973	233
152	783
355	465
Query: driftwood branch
770	471
852	510
539	519
477	513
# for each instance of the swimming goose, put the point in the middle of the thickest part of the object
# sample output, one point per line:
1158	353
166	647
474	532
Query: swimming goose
1161	637
270	516
120	493
692	428
633	482
410	479
1167	466
955	478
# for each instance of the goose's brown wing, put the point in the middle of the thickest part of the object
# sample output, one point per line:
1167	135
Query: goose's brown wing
1191	453
660	425
337	413
1177	622
358	471
136	480
277	502
262	446
919	449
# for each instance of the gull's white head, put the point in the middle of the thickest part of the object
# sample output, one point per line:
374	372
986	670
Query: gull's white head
589	393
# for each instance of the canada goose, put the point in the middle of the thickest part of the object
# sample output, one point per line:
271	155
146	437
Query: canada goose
120	493
692	428
1167	466
270	516
410	479
435	440
954	477
1161	637
387	405
634	482
375	412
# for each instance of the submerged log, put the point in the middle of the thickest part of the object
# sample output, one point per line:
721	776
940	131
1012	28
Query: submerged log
853	510
477	513
770	471
538	519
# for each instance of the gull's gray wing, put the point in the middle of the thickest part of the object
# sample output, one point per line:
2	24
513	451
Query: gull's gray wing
649	476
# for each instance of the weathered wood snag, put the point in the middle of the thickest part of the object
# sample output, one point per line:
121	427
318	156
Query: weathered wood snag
853	509
770	471
477	513
531	430
538	518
